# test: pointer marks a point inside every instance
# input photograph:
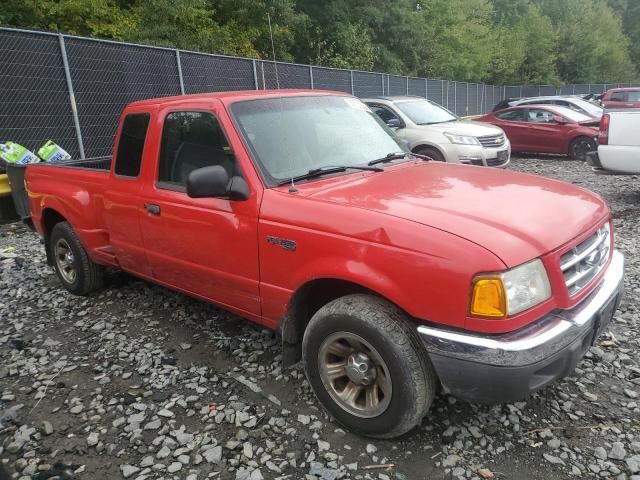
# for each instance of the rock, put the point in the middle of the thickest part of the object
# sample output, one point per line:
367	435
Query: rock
554	444
319	470
617	451
633	463
323	446
451	461
371	449
247	450
92	439
630	393
213	455
165	413
164	452
128	470
46	428
174	467
552	459
600	452
304	419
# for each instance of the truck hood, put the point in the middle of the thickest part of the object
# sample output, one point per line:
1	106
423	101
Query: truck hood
516	216
464	127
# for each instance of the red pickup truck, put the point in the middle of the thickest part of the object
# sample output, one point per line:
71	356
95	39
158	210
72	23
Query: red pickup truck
387	273
621	98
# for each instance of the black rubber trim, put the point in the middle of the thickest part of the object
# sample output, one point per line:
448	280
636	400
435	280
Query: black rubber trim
480	383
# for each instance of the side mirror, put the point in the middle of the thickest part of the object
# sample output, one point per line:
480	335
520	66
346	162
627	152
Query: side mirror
214	182
559	120
394	123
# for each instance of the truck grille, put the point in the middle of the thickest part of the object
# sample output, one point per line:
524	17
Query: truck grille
584	261
492	141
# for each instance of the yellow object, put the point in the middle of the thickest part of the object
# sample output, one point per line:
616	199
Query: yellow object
5	188
488	298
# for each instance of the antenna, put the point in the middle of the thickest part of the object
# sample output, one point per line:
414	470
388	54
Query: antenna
273	51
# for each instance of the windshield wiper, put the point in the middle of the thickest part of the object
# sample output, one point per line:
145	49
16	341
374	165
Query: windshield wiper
397	156
317	172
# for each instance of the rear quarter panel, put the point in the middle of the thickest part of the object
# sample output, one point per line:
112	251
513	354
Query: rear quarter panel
76	194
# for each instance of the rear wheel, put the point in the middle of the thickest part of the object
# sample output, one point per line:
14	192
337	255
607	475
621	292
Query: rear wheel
367	366
431	152
77	273
581	146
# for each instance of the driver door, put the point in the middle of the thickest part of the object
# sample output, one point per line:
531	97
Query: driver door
204	246
545	134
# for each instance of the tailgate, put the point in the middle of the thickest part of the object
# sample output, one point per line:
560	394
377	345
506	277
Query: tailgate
624	128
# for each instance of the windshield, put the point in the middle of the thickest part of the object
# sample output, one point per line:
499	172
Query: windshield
572	114
289	136
422	112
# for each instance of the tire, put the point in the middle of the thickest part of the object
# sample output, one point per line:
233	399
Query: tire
580	146
77	273
383	333
431	152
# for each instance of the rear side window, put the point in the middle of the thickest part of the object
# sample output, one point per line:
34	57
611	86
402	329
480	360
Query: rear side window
192	140
619	97
512	116
633	96
132	137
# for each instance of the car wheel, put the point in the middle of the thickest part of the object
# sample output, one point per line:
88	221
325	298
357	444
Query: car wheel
431	152
368	367
581	146
77	273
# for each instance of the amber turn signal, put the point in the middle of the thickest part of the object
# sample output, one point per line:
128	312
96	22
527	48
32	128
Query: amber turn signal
488	298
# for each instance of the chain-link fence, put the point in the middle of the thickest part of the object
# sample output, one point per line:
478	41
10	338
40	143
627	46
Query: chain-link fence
72	89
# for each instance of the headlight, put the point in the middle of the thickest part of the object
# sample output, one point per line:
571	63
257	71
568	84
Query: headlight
461	139
504	294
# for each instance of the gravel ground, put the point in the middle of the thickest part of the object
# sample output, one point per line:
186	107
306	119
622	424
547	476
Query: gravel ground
140	382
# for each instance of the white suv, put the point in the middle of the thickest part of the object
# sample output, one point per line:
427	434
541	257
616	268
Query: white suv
434	131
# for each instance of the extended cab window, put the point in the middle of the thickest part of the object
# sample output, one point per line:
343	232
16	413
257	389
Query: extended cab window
192	140
619	97
132	137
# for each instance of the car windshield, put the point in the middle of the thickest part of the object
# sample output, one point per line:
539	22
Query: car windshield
572	114
422	112
289	136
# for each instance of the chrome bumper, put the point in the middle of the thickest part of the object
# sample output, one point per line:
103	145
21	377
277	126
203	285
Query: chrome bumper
540	340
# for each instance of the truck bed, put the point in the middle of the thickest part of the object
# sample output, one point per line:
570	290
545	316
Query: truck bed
622	153
97	163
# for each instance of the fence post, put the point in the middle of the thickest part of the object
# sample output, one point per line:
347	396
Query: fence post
264	84
466	107
311	75
442	88
426	88
352	90
255	74
72	96
407	79
455	97
382	82
179	63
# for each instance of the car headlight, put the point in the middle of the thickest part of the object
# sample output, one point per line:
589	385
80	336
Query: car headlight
461	139
504	294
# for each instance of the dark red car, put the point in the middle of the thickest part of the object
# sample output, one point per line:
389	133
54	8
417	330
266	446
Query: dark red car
621	98
546	129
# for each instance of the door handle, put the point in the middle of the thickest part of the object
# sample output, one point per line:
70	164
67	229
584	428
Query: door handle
152	208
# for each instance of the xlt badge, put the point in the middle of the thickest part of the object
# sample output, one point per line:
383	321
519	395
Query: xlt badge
289	245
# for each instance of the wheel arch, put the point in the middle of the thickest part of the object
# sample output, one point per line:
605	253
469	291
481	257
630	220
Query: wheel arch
428	145
50	218
306	301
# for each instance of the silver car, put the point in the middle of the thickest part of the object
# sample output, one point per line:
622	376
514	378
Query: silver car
570	101
432	130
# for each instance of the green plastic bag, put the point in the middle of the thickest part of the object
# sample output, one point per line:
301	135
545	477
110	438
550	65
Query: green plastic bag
52	152
12	152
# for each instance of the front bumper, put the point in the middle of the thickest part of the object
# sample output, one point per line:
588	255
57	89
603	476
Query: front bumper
478	155
508	367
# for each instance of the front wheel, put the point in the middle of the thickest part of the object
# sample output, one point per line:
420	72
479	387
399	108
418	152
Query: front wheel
367	366
581	146
77	273
431	152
